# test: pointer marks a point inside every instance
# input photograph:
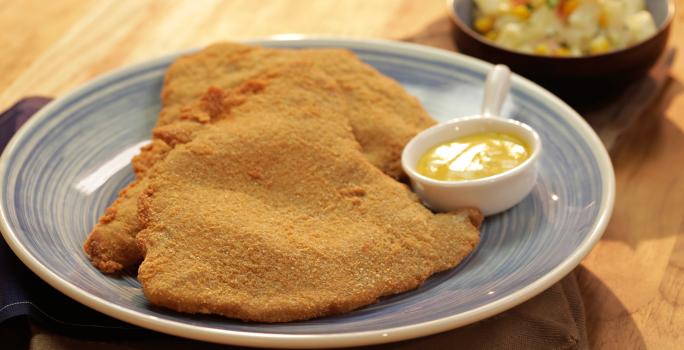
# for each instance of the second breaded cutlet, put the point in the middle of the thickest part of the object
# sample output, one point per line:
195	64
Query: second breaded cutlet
383	117
274	214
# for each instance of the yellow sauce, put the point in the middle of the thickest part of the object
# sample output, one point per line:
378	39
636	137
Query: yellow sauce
473	157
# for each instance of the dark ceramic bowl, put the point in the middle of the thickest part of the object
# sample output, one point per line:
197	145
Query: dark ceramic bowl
570	77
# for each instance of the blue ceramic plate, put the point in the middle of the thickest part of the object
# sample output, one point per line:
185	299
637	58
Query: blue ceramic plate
66	165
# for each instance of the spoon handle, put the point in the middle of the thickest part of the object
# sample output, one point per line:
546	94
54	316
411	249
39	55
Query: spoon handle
496	89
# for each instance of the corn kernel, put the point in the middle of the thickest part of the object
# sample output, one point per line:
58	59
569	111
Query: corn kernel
484	24
521	11
568	7
600	44
491	35
563	51
542	49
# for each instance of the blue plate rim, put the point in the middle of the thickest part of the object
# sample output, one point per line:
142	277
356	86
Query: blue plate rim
333	339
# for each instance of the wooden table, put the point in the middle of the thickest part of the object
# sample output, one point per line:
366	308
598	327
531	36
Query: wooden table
633	280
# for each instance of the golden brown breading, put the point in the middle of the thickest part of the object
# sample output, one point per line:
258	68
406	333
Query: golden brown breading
110	246
383	117
274	214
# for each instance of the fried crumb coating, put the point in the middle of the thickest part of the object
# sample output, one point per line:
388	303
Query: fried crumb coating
383	117
274	213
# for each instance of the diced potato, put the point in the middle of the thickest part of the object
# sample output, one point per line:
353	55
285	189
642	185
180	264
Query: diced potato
503	20
511	36
618	35
585	16
613	13
504	7
575	39
544	23
640	26
633	6
526	48
488	7
582	25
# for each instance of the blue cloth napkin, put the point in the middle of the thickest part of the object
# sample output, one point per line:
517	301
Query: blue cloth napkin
22	293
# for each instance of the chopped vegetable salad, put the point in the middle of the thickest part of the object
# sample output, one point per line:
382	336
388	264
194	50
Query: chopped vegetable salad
563	27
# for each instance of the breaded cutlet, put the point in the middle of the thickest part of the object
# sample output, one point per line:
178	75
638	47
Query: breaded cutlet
274	214
382	115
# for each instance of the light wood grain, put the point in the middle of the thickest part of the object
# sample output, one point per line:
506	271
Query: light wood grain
633	281
112	34
635	275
